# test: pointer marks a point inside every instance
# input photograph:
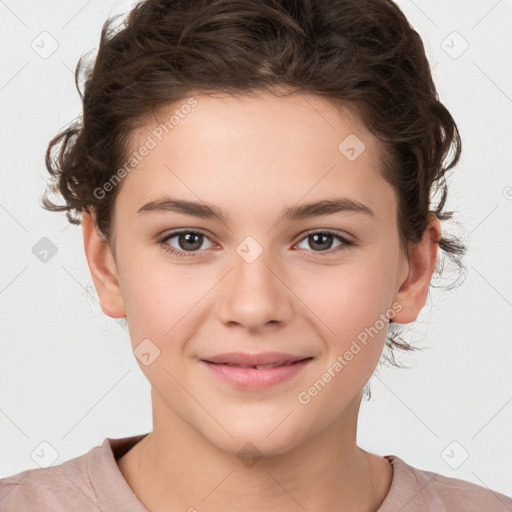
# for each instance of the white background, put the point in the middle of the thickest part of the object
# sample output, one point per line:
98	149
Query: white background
67	373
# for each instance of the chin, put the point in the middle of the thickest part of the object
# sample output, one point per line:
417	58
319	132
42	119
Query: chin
255	448
258	440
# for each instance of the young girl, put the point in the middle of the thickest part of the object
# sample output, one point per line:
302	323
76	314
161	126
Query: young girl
254	182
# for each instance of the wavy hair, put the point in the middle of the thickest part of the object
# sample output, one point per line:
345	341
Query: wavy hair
358	53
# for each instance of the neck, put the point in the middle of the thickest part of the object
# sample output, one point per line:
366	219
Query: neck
175	468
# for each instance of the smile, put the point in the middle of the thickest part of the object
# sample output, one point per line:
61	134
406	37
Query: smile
255	376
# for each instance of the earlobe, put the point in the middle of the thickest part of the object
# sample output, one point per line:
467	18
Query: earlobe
103	269
413	291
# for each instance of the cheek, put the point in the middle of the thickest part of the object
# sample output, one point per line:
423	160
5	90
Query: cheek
349	298
352	313
352	307
161	298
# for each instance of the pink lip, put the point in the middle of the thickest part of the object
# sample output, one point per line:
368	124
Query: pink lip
247	359
225	368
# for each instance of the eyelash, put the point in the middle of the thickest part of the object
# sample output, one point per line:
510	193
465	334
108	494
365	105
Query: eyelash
346	244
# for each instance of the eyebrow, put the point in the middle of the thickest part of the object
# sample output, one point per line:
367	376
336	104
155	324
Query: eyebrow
292	213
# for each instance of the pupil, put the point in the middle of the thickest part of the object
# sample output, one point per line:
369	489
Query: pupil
321	244
187	238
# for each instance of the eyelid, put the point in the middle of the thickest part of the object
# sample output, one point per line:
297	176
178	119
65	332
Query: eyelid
346	241
334	232
178	231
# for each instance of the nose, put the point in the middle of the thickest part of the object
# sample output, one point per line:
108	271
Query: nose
255	294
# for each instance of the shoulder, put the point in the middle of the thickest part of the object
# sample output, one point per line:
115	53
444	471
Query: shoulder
417	489
89	482
52	488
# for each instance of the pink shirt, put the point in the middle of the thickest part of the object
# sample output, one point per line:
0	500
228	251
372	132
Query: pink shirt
92	482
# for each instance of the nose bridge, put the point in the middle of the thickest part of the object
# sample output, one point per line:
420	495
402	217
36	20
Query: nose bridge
252	262
255	296
252	270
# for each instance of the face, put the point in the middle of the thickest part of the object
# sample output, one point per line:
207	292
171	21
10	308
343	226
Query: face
318	285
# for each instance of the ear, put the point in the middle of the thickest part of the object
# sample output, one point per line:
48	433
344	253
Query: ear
103	269
413	292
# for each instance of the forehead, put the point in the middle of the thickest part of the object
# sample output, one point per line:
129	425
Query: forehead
241	150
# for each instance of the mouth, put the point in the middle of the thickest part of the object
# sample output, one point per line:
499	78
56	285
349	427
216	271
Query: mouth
255	371
262	366
248	360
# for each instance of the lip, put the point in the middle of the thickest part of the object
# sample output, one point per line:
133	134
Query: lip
229	368
248	359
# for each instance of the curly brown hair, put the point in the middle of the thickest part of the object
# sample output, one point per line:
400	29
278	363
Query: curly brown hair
358	53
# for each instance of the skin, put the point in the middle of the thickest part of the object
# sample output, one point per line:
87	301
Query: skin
253	156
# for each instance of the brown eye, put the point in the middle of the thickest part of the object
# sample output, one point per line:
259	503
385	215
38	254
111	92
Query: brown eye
322	242
185	242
